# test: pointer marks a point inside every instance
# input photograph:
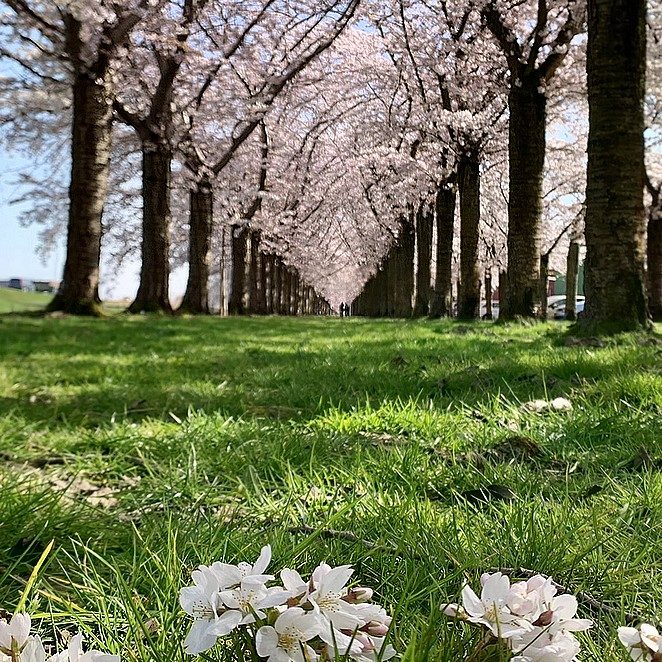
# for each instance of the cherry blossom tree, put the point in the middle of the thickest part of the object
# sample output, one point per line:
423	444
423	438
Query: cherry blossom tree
534	38
79	42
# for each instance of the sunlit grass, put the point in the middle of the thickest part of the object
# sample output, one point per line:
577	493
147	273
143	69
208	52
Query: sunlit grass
182	441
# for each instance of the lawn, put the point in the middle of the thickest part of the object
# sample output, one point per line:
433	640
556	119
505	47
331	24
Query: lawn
15	301
146	446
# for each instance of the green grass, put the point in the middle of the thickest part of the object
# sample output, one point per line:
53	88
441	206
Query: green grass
216	436
15	301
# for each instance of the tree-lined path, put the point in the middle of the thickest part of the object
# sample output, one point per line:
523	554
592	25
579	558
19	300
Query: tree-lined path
408	155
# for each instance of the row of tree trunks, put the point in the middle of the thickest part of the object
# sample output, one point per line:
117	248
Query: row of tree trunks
262	284
388	293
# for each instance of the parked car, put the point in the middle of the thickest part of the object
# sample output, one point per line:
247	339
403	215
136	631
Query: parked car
558	301
21	284
559	309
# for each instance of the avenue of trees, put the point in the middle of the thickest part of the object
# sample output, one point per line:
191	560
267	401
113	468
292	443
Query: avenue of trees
409	156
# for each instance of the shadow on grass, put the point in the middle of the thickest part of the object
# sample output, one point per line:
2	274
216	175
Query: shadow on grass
87	372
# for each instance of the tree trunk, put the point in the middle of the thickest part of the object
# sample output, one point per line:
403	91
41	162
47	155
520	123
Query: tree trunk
405	270
489	315
251	283
264	284
152	293
287	291
278	286
572	268
526	153
268	271
424	228
239	247
654	259
221	275
442	303
90	168
196	297
469	182
391	284
615	219
294	297
544	277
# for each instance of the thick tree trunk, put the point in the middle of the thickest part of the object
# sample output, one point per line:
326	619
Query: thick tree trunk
526	153
572	268
90	167
654	259
239	247
469	183
152	293
615	218
442	303
424	229
201	201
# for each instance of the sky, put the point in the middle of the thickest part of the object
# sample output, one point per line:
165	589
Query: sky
18	244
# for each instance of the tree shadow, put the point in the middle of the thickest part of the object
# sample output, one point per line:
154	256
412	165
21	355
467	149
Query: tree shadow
91	372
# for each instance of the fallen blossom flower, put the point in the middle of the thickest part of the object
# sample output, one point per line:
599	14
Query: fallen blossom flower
643	643
561	404
14	635
536	406
526	599
294	583
287	639
251	597
372	649
491	609
203	602
232	575
548	648
75	653
327	598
